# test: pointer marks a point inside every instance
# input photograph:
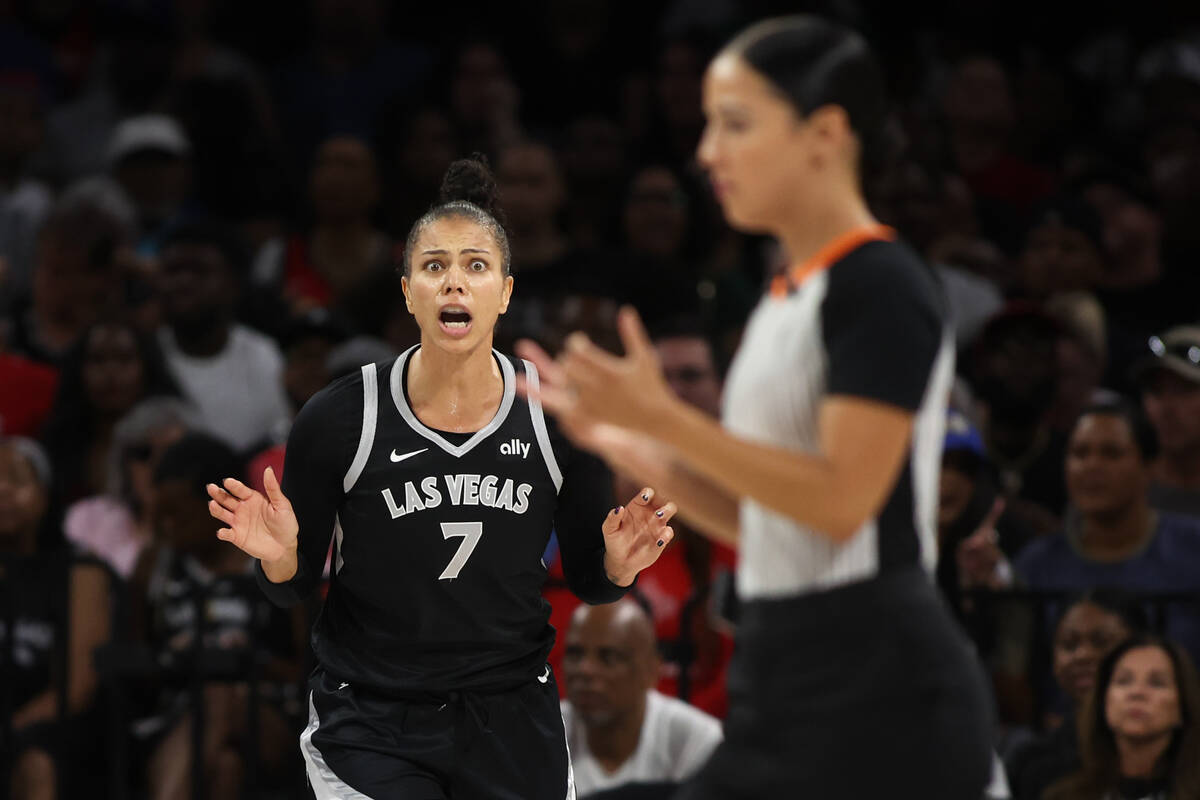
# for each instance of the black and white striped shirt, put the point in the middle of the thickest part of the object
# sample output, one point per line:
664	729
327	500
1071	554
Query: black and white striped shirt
868	320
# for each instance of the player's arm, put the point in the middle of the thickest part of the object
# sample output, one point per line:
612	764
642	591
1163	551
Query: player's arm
320	447
604	546
289	529
584	501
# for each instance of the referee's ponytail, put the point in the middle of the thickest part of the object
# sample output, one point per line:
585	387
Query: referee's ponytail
468	190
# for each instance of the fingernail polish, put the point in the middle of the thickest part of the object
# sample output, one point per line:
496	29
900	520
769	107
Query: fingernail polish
614	511
660	542
645	497
620	509
658	513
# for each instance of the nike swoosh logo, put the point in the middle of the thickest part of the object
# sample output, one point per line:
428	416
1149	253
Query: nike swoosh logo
545	676
396	458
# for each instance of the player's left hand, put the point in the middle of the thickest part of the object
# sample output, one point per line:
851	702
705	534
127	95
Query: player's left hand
586	386
635	535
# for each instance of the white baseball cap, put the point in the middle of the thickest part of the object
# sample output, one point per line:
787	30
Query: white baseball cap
147	132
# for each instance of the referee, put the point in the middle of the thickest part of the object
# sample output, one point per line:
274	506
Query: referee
850	679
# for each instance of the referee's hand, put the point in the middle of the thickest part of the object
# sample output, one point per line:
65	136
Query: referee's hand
586	386
635	536
264	527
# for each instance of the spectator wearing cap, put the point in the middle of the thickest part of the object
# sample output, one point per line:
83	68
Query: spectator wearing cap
231	373
52	749
1140	295
1169	379
150	157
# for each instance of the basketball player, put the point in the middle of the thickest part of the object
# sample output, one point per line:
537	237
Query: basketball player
850	679
440	489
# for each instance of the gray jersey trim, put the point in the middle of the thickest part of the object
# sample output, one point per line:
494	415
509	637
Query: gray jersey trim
337	538
370	417
506	403
539	426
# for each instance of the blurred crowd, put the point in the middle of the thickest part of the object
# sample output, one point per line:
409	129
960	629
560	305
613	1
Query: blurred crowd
200	207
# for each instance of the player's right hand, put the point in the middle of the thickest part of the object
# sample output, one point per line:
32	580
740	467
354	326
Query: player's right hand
264	527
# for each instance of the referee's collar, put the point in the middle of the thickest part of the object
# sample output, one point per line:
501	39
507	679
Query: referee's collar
829	254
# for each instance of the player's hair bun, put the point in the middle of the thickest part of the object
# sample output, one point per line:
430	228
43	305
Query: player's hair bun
471	180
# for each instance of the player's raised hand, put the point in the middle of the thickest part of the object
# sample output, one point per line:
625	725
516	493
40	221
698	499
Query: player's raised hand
264	527
635	535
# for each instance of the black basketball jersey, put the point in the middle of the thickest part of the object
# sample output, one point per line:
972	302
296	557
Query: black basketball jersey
436	575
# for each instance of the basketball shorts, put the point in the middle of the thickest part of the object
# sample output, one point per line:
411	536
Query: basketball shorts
362	745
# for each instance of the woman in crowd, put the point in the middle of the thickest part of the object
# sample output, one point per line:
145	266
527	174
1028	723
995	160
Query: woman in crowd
1140	735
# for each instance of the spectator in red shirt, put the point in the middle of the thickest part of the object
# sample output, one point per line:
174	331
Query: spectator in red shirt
29	392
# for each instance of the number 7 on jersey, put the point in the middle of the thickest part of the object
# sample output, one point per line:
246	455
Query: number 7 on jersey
470	531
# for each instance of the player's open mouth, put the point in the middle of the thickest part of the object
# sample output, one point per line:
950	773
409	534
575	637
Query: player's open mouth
455	320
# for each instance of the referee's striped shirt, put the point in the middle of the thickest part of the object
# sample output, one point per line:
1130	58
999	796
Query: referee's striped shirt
864	318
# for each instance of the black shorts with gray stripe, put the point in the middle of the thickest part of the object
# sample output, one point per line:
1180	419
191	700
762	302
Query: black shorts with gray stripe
362	745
